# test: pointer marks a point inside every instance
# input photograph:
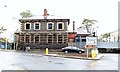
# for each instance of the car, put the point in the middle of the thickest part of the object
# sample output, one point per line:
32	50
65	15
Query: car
72	49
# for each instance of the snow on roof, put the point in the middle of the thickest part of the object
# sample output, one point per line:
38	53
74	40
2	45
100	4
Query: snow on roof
47	17
81	30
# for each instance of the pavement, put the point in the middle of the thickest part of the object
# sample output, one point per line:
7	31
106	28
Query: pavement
54	54
98	57
57	54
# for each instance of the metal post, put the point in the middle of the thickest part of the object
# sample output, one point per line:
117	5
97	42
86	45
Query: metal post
6	43
14	44
80	42
87	53
14	41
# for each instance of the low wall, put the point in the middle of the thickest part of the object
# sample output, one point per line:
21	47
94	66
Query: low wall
101	44
108	45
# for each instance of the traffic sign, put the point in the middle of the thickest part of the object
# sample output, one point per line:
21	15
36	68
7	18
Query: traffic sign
91	40
90	46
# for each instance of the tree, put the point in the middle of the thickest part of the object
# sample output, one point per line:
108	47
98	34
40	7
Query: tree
106	36
88	24
26	14
2	29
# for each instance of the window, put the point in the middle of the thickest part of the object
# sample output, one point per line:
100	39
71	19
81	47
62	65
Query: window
27	26
65	38
55	38
37	39
83	40
27	39
37	26
22	38
32	38
60	25
50	26
60	39
49	38
43	38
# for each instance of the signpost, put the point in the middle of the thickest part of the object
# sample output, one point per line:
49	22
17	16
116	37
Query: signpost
91	40
91	43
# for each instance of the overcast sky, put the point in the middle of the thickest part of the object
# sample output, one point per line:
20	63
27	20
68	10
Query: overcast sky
104	11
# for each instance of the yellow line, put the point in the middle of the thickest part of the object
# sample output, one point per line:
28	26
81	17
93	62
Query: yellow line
93	63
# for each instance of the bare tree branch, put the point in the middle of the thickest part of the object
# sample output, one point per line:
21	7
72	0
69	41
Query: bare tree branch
88	23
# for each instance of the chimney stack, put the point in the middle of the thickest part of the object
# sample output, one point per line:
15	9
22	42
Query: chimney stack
45	12
73	26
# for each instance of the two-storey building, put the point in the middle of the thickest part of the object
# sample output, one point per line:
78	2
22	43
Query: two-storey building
43	31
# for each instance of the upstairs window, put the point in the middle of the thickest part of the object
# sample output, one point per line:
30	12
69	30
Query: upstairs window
27	26
37	26
60	25
50	26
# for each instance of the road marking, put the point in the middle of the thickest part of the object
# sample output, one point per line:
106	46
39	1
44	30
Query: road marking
93	63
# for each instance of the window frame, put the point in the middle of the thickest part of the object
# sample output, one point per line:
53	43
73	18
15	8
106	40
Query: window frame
62	25
52	25
37	23
30	26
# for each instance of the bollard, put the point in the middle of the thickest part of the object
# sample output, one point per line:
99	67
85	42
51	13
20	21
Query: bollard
46	51
93	54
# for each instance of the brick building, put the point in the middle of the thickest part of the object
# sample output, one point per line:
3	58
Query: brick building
43	31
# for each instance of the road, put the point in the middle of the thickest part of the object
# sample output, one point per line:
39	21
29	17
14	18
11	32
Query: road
30	61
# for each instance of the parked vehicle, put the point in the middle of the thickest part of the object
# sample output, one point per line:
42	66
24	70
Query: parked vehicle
72	49
27	48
